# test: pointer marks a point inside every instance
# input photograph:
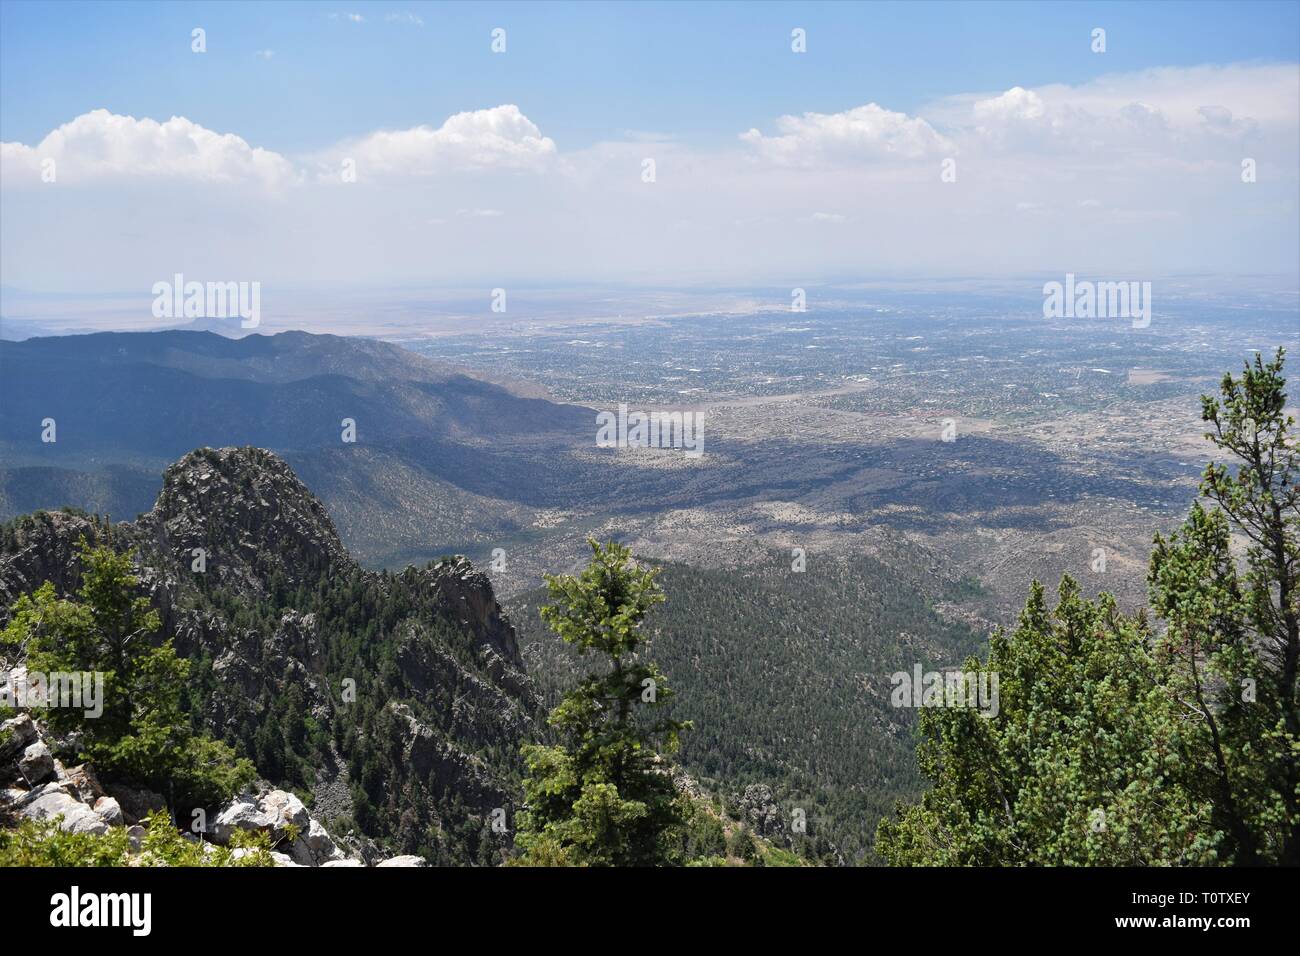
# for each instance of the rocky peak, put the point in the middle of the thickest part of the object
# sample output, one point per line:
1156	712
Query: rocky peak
251	516
463	590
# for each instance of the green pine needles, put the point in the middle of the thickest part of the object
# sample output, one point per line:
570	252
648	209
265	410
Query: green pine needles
1124	743
604	794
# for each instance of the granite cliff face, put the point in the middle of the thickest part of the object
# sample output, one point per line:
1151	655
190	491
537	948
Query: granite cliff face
396	701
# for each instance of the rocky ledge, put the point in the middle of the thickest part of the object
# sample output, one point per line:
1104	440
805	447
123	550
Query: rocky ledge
35	785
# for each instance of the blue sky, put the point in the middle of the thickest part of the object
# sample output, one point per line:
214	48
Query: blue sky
584	71
665	144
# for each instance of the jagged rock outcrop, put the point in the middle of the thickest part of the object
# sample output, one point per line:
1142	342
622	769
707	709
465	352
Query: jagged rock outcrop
46	550
16	735
51	800
75	798
37	763
432	755
758	808
231	503
463	590
39	787
298	651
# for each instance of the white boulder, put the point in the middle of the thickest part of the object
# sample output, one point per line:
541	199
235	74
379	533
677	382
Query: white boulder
285	808
110	811
243	814
51	800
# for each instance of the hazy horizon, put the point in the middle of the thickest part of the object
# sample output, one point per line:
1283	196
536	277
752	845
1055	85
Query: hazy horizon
309	143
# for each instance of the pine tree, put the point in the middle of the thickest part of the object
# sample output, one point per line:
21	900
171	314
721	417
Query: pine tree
143	734
603	796
1078	768
1233	633
1118	743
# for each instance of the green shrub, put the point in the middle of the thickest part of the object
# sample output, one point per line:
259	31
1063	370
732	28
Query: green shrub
42	843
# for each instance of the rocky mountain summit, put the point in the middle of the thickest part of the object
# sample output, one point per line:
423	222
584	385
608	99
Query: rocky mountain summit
393	704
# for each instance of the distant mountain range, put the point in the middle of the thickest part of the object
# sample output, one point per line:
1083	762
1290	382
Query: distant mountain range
433	445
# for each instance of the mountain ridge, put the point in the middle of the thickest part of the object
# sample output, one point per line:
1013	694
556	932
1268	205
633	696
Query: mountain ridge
255	587
386	434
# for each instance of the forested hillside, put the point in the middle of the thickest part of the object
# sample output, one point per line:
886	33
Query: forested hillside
785	676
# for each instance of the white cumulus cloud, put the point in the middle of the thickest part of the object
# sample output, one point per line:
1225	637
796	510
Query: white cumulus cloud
1016	103
864	133
102	145
497	138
